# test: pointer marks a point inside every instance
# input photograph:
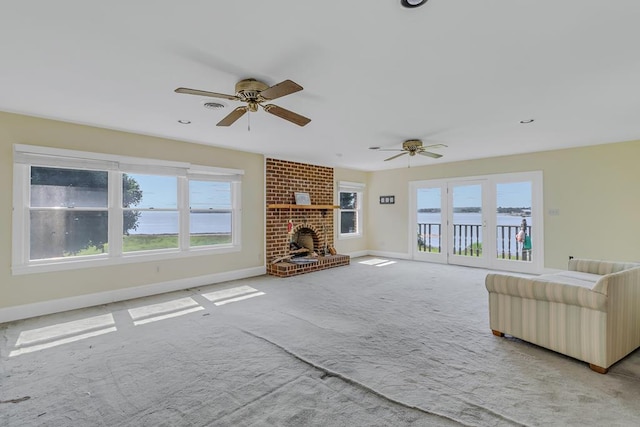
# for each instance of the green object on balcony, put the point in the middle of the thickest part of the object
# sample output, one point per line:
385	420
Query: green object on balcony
527	243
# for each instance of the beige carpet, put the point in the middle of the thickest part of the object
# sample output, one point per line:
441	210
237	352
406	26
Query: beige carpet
372	344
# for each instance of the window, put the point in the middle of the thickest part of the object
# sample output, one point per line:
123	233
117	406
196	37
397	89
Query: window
350	217
74	209
150	215
67	212
210	213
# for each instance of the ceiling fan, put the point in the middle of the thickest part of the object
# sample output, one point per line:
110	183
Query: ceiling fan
413	147
254	93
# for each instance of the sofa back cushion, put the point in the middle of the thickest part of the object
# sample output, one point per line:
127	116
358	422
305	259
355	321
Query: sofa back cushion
599	267
573	278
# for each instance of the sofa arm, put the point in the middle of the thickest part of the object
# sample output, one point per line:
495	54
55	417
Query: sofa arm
533	289
623	281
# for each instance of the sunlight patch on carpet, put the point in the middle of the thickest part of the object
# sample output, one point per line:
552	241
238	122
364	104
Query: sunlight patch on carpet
377	262
227	296
236	299
63	333
165	310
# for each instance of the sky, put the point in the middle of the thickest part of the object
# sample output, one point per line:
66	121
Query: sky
162	192
512	194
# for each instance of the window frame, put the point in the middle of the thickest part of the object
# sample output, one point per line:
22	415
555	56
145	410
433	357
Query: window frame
116	166
351	187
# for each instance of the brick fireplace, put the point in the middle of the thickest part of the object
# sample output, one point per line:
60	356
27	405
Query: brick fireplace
311	226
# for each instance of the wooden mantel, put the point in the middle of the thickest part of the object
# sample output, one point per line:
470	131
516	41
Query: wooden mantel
292	206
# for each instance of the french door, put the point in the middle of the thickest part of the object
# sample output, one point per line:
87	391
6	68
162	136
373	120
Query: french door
492	221
467	222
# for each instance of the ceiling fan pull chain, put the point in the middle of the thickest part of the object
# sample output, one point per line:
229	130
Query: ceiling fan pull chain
249	122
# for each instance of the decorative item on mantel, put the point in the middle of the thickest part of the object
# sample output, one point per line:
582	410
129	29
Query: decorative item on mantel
303	199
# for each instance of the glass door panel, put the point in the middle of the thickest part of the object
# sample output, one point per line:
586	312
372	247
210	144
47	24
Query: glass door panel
429	220
429	210
466	224
514	222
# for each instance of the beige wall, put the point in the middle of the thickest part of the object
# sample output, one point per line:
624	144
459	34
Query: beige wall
595	188
31	288
351	245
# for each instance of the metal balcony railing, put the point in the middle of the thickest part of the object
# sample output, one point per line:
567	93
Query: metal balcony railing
467	240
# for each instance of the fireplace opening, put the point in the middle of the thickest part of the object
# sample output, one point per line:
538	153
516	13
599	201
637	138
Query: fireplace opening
304	243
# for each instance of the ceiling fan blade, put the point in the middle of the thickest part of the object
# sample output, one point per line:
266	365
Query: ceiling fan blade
396	156
205	93
286	114
435	146
430	154
281	89
232	116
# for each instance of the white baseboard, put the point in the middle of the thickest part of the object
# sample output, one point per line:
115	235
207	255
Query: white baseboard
357	254
25	311
397	255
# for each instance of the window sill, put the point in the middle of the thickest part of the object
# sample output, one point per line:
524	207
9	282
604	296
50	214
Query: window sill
349	236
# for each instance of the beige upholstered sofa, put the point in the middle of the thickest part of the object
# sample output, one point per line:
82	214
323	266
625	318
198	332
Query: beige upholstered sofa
590	312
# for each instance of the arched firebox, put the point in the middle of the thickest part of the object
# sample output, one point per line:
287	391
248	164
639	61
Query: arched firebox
305	236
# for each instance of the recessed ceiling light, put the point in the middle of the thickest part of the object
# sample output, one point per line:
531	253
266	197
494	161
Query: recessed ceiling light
374	148
184	122
412	3
524	122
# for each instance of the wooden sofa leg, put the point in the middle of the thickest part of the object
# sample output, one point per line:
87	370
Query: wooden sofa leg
497	333
598	369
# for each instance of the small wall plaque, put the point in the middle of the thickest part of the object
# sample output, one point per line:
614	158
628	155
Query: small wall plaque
387	200
303	199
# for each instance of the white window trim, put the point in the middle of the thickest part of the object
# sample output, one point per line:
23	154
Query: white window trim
351	187
29	155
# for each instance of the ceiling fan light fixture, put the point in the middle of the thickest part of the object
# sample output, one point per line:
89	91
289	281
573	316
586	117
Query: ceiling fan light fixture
214	105
412	3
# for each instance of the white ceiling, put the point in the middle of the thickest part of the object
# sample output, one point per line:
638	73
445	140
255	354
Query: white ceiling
458	72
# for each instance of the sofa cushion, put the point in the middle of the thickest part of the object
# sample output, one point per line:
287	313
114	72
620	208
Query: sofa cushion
552	291
575	278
